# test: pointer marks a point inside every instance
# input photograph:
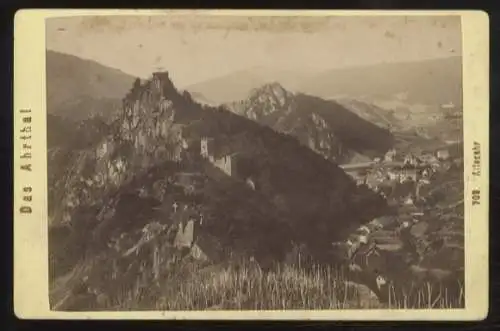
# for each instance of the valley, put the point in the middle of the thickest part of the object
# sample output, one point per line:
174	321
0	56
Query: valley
163	199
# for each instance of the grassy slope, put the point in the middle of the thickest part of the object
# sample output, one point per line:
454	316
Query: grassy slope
78	87
245	287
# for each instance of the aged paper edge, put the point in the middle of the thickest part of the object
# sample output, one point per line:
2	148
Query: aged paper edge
30	230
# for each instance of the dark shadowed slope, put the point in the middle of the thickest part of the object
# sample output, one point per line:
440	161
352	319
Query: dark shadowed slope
77	88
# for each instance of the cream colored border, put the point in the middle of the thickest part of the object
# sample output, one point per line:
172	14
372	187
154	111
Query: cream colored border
30	231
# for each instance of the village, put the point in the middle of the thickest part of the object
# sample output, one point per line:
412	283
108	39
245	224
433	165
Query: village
399	179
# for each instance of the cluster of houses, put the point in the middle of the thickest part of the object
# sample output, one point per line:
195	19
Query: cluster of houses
361	236
428	158
391	170
361	244
383	174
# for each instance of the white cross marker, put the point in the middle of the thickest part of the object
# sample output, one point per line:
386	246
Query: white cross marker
175	205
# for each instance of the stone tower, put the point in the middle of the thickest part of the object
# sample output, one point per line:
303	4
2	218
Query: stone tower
161	83
206	147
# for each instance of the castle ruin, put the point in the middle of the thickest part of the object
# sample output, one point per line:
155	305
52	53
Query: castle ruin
226	163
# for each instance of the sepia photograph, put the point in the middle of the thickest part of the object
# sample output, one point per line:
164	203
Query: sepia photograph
204	162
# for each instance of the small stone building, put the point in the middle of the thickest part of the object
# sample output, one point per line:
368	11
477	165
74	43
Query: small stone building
226	162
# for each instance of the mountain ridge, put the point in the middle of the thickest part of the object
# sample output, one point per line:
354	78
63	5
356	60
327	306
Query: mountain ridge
326	127
78	88
421	80
355	82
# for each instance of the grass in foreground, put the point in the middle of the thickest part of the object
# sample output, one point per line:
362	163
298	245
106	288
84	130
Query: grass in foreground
289	288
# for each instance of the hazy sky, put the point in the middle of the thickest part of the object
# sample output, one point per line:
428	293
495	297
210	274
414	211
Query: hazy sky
196	48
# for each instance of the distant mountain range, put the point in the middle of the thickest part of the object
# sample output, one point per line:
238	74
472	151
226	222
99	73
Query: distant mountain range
421	97
437	82
429	82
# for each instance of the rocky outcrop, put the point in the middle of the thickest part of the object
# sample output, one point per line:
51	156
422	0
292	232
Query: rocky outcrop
143	136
